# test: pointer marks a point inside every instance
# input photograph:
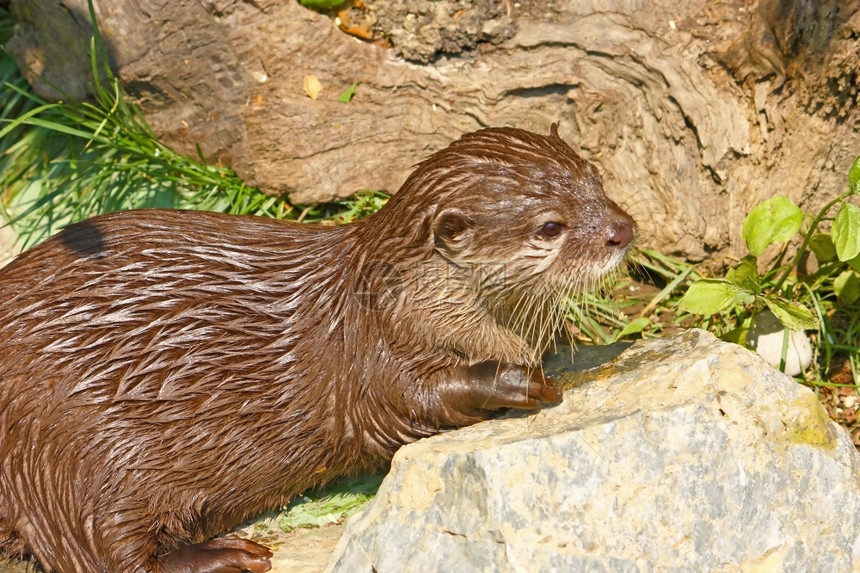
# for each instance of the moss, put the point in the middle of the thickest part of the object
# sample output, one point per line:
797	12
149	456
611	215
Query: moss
810	424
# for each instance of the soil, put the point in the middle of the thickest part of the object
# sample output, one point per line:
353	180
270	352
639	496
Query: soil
843	402
304	550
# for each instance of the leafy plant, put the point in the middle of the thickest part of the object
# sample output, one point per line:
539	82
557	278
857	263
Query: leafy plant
800	303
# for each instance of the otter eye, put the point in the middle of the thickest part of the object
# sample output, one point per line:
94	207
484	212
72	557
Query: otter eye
551	230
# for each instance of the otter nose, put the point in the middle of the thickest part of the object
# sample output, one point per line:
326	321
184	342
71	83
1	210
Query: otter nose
622	234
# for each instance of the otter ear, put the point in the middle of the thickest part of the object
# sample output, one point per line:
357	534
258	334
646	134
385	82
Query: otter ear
452	230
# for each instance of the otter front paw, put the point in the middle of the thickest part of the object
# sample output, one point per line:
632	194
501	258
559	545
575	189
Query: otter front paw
511	386
469	394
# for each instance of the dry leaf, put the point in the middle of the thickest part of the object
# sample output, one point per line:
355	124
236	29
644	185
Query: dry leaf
312	86
361	31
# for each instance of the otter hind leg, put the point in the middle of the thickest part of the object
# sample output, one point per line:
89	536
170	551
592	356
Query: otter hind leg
224	555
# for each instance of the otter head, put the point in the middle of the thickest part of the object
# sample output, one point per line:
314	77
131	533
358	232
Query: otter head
530	203
522	221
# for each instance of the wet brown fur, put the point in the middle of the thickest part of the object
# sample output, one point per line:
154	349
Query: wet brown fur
166	375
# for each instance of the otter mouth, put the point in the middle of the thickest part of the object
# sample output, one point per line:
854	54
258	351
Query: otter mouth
608	271
549	305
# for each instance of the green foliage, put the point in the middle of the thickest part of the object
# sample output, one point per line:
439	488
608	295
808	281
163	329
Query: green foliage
854	177
633	310
332	504
773	221
595	317
846	232
847	286
355	208
66	161
712	296
793	315
799	302
822	245
636	326
63	162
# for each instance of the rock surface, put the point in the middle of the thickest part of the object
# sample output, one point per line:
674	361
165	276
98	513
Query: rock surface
683	454
695	110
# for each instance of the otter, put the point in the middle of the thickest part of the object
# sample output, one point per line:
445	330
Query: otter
166	375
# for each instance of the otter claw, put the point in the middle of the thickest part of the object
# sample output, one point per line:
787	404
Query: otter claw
545	390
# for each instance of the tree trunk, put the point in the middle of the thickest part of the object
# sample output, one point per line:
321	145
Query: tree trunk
694	111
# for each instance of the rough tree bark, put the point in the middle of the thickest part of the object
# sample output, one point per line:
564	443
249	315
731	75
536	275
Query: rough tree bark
693	110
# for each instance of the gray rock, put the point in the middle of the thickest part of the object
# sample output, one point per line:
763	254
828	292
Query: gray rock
683	454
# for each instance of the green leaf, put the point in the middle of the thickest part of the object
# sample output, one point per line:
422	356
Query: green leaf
792	315
739	334
321	4
773	221
847	286
23	118
846	231
854	176
635	326
712	296
346	96
822	245
745	274
855	263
